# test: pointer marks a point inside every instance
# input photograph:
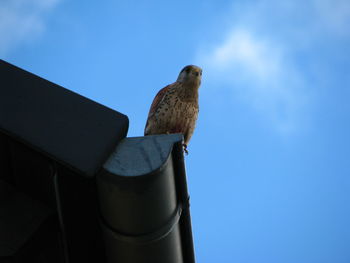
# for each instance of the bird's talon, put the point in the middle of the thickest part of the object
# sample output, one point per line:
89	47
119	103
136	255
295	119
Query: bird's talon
185	148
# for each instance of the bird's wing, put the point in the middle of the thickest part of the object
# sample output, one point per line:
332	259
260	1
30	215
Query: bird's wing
157	99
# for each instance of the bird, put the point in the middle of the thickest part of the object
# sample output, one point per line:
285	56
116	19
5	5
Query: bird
175	108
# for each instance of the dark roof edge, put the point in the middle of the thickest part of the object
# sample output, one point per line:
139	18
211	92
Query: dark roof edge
71	129
58	85
182	191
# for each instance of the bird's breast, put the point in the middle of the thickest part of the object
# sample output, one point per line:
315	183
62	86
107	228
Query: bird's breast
175	115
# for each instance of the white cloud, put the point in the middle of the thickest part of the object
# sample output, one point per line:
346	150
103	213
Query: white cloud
258	71
258	57
254	55
22	21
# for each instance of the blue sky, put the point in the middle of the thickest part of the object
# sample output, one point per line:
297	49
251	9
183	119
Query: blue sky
268	168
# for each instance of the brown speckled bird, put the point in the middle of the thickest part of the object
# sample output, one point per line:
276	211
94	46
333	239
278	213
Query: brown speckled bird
175	107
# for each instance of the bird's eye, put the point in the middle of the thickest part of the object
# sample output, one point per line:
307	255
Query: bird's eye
188	70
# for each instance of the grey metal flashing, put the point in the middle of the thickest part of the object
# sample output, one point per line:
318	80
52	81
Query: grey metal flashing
144	213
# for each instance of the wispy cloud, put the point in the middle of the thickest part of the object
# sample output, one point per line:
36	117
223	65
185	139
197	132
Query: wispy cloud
259	58
22	21
334	15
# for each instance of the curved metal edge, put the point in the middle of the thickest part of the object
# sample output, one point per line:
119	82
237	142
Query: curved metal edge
152	142
164	198
105	174
181	217
161	233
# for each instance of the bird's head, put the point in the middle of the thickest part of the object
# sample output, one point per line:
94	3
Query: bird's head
190	74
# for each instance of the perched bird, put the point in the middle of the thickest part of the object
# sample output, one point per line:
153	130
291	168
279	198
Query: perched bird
175	107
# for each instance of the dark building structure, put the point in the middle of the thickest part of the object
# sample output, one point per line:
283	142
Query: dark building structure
73	188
